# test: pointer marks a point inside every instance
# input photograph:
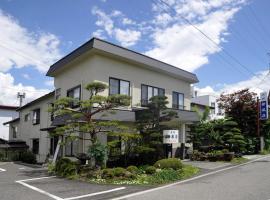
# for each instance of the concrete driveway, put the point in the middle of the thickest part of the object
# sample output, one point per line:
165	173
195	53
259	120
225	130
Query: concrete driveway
25	183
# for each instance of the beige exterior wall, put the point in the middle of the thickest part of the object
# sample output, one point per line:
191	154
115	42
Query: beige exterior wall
100	68
27	131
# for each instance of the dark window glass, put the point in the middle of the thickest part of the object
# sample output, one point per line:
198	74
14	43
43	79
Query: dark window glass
178	101
26	117
53	144
14	131
148	92
71	148
57	93
118	86
52	111
35	147
36	116
74	93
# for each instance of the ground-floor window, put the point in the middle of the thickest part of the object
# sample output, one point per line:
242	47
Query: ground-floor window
71	148
53	144
35	146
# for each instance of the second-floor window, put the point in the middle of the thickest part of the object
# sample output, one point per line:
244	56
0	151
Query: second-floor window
14	131
74	93
35	146
36	116
118	86
27	117
148	92
57	93
178	100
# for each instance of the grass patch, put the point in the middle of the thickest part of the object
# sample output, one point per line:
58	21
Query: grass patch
239	160
162	176
265	152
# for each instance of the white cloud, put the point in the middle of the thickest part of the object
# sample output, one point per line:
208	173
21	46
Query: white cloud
26	76
107	25
127	21
20	47
103	20
49	83
8	90
127	37
256	84
179	43
99	34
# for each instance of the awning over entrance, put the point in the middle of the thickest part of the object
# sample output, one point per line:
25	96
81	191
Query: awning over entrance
13	144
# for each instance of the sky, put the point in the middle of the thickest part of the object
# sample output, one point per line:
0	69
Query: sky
224	42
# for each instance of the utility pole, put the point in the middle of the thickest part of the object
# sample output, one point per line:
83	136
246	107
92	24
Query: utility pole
21	96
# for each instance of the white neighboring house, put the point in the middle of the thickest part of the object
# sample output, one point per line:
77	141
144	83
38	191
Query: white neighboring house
7	113
211	102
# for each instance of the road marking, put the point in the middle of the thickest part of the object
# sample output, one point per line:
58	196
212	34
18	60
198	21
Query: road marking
2	170
39	190
188	180
33	179
96	193
22	182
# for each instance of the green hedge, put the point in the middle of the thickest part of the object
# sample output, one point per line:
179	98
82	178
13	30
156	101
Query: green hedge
65	167
170	163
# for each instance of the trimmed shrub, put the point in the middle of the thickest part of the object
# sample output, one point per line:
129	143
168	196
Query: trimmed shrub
170	163
133	169
119	171
28	157
150	170
165	176
107	173
65	167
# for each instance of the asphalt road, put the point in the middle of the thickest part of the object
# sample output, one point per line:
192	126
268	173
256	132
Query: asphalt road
247	182
18	182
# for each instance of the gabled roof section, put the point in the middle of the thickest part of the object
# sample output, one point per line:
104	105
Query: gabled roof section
12	121
6	107
118	51
37	100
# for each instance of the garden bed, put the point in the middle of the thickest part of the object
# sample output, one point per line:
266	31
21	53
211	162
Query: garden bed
163	171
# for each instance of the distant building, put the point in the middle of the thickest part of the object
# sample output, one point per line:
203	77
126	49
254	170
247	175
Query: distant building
7	113
201	102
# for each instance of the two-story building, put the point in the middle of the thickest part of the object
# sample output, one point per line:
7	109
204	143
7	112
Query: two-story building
6	113
33	117
125	72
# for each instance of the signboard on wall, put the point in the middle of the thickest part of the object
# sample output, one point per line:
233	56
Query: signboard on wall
264	106
170	136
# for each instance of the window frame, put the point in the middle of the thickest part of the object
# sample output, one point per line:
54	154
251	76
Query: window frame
27	117
153	88
37	120
14	131
177	105
80	97
35	151
119	84
72	152
57	93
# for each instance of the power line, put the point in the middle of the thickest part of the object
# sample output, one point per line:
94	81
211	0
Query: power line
261	25
22	55
215	43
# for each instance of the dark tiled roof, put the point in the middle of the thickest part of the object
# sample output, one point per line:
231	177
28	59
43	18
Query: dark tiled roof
11	121
118	51
6	107
37	100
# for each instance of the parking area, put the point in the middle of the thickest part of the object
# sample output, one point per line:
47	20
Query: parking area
24	183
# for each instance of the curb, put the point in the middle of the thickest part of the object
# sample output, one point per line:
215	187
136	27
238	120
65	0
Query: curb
190	179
